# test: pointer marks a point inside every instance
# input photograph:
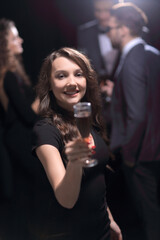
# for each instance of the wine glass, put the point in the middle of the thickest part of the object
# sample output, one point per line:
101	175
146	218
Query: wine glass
82	113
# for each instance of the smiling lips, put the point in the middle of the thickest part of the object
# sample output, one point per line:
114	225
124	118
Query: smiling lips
71	93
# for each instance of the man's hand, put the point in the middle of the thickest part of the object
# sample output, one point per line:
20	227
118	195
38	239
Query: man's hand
107	87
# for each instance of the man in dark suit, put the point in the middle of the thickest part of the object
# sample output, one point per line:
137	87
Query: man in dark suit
136	113
93	40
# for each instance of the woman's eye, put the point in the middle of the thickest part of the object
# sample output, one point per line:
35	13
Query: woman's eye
79	74
60	76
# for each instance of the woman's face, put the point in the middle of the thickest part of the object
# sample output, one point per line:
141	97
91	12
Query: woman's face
14	41
68	83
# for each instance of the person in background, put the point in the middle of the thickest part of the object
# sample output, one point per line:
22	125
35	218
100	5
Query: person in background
93	39
135	135
19	107
75	206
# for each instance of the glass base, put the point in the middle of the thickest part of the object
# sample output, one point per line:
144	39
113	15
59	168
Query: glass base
90	163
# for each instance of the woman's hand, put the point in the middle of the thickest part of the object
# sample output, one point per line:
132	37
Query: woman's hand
35	105
77	151
115	231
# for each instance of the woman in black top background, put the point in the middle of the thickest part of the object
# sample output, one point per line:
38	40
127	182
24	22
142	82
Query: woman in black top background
75	206
18	115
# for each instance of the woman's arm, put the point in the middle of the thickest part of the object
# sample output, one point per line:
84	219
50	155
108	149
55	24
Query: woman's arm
66	183
35	105
3	99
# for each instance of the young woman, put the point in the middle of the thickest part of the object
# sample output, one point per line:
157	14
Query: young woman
16	95
76	206
18	115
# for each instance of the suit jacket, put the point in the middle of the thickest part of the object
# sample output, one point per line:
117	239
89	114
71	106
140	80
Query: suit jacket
88	43
87	38
135	106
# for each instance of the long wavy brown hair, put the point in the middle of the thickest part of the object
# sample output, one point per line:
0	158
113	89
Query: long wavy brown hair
49	108
9	62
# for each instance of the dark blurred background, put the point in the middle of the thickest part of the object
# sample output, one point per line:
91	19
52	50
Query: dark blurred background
46	25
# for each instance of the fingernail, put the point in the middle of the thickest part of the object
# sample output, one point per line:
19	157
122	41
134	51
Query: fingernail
87	140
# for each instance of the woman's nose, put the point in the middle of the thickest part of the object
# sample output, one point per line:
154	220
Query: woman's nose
20	39
71	80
